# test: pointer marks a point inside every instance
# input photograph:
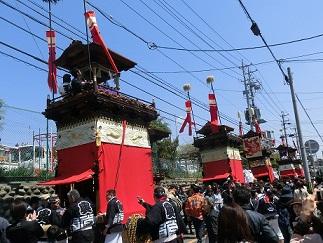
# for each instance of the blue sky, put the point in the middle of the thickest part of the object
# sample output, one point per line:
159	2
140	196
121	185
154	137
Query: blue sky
25	87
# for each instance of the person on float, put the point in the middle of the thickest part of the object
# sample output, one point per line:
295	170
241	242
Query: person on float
78	219
114	217
160	221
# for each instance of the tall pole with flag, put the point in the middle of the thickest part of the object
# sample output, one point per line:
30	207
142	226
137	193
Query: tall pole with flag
51	41
189	112
214	110
98	39
240	125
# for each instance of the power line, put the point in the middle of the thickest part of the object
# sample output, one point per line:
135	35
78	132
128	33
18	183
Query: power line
163	100
23	52
317	132
196	31
256	31
165	34
28	31
33	18
185	37
46	17
20	60
224	115
63	21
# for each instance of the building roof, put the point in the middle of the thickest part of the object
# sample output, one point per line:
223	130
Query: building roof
76	57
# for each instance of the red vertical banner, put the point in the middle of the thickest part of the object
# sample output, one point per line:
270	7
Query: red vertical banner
188	119
98	39
213	110
240	129
52	71
214	113
257	126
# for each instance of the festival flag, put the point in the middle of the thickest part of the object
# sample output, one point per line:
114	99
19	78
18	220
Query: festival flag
257	126
240	129
214	113
52	71
97	38
240	125
188	119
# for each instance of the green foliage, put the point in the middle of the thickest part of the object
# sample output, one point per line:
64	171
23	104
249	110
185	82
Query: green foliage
26	172
188	151
274	157
17	172
165	155
159	124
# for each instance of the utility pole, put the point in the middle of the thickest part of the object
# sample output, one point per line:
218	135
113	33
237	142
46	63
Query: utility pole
247	93
297	141
284	123
300	136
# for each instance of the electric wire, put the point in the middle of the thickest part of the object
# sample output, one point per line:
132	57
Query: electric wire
33	18
28	31
33	37
46	17
185	37
228	118
308	116
62	20
165	34
175	14
254	24
44	70
185	70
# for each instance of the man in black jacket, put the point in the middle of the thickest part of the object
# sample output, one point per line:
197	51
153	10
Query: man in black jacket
114	216
160	220
23	230
79	218
259	226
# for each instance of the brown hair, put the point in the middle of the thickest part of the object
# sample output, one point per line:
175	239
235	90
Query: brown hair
233	224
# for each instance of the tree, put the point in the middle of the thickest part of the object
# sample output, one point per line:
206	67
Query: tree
159	124
190	156
165	156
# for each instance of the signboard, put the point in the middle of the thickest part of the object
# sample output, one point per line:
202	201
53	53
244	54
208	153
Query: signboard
252	147
311	146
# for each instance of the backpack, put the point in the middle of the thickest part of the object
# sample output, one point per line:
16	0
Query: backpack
194	206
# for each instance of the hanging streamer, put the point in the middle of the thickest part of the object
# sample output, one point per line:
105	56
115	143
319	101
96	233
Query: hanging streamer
257	126
52	71
97	38
188	119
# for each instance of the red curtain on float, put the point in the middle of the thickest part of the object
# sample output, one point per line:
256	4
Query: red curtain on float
75	165
76	160
222	169
263	170
237	170
131	177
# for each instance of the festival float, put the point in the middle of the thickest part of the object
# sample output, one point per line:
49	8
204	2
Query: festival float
289	165
219	147
103	135
257	149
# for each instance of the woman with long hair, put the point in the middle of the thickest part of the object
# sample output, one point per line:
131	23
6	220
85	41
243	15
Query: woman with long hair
233	225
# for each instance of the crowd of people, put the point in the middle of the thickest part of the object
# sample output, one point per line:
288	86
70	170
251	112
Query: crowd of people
282	211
